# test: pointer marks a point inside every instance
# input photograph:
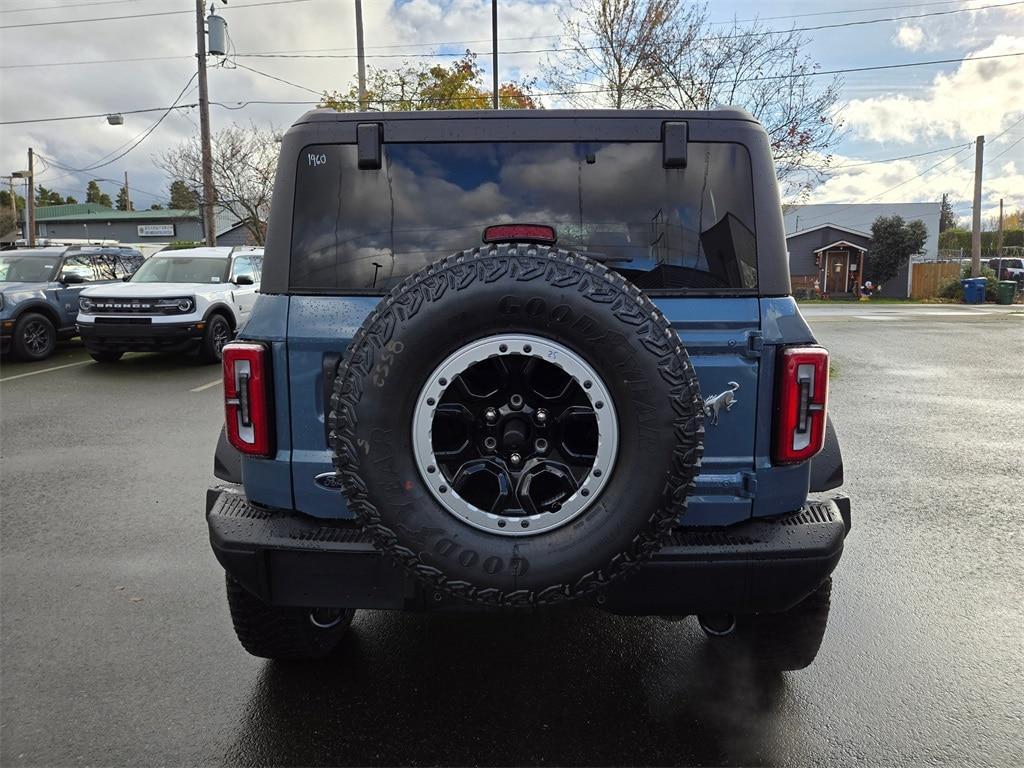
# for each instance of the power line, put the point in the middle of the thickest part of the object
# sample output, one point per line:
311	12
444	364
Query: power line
713	38
1012	145
835	13
92	61
278	79
66	6
894	159
103	162
240	104
139	15
813	220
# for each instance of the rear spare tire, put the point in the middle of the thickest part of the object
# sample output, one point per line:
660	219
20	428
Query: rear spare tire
517	425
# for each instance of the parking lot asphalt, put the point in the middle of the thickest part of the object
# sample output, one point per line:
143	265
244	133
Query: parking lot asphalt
116	647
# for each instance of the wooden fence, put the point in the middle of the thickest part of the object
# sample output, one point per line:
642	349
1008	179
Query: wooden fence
928	277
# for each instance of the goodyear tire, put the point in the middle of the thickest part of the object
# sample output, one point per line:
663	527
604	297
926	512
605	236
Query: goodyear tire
444	453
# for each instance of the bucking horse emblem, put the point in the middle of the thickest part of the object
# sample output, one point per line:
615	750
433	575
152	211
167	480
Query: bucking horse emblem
714	404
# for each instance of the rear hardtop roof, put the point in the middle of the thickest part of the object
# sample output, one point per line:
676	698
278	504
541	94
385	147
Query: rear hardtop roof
331	115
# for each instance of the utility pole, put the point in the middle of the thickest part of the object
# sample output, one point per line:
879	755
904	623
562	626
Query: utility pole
127	197
494	48
979	156
999	239
360	55
30	202
204	129
14	201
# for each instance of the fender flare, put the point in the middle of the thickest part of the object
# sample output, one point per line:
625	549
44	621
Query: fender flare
827	465
35	305
224	309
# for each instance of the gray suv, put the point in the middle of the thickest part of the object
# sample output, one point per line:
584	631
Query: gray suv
39	290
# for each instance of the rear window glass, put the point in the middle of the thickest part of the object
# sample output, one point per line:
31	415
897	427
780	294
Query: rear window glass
672	229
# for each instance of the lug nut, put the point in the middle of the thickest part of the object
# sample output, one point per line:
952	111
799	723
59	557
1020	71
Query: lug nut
491	415
542	416
516	459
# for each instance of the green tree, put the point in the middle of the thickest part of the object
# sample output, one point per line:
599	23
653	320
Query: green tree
893	242
69	200
93	194
124	202
182	197
156	207
46	197
412	87
5	201
947	218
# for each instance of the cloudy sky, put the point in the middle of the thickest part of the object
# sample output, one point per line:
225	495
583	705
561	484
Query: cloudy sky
144	61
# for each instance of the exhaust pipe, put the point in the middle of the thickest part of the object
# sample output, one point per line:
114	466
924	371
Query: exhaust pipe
717	624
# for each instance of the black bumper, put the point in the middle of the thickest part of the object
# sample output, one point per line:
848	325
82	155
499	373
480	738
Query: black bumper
290	559
127	336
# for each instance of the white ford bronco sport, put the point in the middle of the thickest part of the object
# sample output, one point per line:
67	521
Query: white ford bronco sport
192	299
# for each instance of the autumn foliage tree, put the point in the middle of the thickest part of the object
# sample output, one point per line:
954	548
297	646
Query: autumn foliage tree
412	87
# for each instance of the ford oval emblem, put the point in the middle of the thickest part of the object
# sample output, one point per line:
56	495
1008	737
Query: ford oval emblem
329	481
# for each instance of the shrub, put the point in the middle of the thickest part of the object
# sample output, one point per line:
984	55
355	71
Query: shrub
951	289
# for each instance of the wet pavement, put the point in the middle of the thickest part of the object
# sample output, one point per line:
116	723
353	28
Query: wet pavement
116	647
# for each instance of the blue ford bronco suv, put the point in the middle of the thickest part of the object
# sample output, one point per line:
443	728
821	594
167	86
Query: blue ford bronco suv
512	360
39	290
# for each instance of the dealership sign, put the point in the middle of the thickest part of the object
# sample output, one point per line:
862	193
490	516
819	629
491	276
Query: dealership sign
156	230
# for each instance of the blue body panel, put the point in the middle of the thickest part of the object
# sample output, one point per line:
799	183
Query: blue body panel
731	341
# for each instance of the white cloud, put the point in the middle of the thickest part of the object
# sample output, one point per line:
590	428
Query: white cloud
102	88
901	182
910	37
977	98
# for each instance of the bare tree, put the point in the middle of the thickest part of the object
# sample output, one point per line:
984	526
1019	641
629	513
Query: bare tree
615	45
665	53
768	74
244	164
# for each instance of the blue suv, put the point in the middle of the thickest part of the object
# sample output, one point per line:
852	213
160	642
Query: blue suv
503	361
39	290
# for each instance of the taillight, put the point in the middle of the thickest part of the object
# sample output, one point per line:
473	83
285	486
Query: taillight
520	233
247	398
801	404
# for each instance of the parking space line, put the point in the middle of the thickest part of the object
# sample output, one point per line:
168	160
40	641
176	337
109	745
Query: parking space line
201	387
45	370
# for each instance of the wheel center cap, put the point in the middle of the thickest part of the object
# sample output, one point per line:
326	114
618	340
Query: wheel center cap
514	434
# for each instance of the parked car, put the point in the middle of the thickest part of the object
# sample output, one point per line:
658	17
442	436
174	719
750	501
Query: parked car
1007	268
39	290
192	299
512	360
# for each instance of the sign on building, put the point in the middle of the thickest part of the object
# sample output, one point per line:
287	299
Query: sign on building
156	230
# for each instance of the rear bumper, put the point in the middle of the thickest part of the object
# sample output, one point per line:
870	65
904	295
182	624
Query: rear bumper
290	559
140	337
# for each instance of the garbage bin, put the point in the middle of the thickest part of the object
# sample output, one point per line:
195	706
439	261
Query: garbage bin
1005	291
974	290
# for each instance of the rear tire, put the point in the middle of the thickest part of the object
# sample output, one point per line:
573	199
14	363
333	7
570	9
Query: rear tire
284	634
106	356
777	642
217	334
34	338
